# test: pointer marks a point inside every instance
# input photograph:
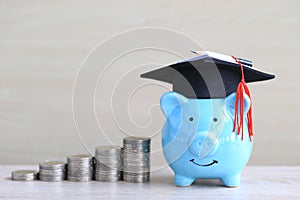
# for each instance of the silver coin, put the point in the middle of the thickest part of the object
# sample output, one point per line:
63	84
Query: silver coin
136	151
52	170
51	178
73	164
24	175
137	160
135	145
140	179
106	179
80	168
104	168
136	141
79	158
103	160
136	170
107	149
107	169
52	165
108	165
110	179
51	174
85	166
136	163
107	174
79	179
80	175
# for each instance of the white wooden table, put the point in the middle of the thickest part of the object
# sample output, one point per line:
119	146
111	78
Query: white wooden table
257	183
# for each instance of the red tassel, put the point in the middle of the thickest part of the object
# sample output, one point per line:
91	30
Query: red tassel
239	119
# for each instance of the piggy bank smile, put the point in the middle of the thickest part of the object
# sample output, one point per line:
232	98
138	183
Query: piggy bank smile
206	165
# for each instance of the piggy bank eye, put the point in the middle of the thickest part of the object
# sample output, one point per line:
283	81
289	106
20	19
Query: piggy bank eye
215	119
191	119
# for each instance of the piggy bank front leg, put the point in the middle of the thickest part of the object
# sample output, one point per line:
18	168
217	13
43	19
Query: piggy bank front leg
182	181
232	181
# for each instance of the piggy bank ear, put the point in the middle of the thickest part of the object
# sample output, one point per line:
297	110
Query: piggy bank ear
230	103
170	100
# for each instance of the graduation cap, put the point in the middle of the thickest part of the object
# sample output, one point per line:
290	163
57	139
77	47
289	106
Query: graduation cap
209	75
212	75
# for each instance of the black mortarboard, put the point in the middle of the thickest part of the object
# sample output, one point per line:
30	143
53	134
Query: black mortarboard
209	75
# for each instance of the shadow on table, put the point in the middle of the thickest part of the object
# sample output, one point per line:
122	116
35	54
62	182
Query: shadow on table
169	180
209	182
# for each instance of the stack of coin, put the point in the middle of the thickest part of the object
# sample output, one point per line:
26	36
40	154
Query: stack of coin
52	171
108	163
136	159
24	175
80	167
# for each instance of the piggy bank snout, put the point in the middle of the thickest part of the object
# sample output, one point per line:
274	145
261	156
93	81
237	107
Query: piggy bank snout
202	145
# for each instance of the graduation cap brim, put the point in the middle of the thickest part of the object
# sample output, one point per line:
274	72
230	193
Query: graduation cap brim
207	77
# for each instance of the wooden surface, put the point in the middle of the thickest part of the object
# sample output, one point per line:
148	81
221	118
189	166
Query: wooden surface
257	183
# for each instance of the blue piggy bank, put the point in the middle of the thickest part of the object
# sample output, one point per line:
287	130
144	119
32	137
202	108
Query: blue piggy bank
198	138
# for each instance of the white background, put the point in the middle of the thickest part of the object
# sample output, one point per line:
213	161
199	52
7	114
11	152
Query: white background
42	44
